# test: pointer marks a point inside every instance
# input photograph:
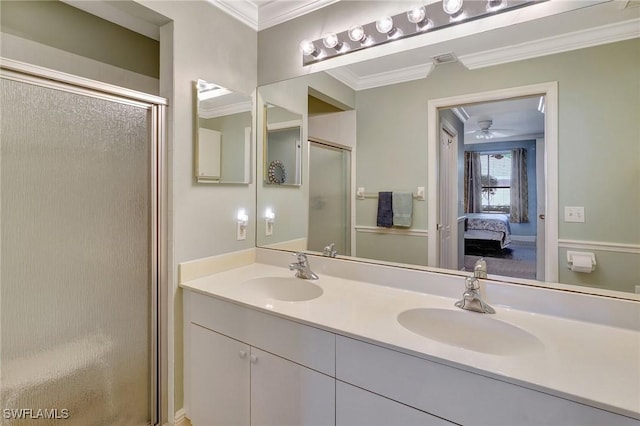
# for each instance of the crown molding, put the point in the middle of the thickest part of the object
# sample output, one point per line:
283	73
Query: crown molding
557	44
277	12
224	110
386	78
242	10
269	14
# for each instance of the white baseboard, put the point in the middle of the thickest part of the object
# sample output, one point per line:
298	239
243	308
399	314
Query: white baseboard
181	419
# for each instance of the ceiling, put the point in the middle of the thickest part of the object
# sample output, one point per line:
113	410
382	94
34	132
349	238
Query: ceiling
513	119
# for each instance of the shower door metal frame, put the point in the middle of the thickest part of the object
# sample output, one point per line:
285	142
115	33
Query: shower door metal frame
36	75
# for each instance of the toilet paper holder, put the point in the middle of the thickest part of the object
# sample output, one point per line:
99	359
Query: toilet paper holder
581	261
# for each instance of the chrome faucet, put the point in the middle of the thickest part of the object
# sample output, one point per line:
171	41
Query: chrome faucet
302	267
471	299
330	250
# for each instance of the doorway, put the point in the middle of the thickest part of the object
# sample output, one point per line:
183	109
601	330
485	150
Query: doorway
81	248
531	251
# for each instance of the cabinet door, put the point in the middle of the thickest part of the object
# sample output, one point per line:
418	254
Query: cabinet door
219	379
358	407
285	393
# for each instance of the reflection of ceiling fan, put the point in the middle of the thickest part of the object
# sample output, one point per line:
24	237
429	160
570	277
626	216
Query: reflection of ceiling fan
486	133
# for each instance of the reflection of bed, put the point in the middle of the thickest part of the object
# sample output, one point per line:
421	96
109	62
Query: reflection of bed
487	229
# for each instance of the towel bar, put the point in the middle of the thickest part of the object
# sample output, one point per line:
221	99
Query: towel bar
361	195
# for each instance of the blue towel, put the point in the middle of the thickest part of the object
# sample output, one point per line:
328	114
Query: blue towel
385	210
402	208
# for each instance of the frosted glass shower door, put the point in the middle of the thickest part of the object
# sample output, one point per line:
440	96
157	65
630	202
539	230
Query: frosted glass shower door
329	214
76	277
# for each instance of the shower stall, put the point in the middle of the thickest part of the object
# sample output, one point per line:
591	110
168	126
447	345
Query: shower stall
80	250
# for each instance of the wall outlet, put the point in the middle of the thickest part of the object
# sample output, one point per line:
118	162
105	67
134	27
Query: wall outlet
574	214
241	231
268	227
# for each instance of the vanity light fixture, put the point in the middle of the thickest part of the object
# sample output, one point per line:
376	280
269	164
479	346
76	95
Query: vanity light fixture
308	48
493	5
452	7
209	90
416	21
269	219
356	33
331	41
385	26
419	17
242	223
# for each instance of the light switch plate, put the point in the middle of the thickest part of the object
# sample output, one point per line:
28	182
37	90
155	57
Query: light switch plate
574	214
241	232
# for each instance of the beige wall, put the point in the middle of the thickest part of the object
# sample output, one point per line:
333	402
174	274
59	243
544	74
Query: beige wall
598	147
202	42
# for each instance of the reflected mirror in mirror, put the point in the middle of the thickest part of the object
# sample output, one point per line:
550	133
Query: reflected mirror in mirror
283	146
594	120
223	135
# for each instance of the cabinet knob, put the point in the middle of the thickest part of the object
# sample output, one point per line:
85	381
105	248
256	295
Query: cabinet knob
253	359
242	354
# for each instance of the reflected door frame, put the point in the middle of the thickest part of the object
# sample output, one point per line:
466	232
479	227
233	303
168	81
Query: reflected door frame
550	91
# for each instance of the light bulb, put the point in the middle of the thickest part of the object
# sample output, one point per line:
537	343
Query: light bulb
331	41
451	7
384	25
356	33
308	48
417	15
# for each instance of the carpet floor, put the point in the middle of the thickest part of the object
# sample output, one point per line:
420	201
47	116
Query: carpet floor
518	260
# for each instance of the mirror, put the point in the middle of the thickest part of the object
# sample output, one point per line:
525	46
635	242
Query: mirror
597	150
223	135
282	146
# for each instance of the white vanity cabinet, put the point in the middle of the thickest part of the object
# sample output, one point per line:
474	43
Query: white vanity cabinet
459	396
245	367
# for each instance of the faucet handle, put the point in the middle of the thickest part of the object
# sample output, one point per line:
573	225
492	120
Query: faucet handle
471	283
480	269
301	257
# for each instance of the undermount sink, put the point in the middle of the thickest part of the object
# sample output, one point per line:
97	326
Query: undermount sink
287	289
470	330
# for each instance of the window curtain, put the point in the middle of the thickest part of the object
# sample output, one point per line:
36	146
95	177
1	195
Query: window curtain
519	186
472	183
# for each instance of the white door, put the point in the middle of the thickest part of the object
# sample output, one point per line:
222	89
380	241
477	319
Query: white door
219	379
447	221
284	393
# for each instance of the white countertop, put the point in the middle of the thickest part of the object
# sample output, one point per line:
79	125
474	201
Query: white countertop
586	362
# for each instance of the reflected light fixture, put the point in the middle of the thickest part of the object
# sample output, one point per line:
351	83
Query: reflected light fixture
452	7
308	48
385	26
356	33
418	16
331	41
419	20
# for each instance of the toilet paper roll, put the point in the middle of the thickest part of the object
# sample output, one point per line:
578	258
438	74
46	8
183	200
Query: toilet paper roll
582	263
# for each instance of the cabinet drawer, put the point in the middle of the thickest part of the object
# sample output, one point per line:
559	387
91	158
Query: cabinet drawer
305	345
457	395
358	407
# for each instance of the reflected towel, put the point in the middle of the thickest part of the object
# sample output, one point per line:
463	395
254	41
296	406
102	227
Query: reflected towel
402	208
385	210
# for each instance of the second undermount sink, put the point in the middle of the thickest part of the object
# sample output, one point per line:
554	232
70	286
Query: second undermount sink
470	330
287	289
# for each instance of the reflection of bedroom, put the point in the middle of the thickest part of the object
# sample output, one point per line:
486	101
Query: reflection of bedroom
497	185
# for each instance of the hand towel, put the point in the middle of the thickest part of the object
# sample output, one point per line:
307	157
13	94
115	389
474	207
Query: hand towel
402	208
385	210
